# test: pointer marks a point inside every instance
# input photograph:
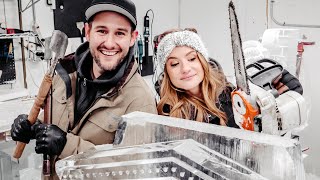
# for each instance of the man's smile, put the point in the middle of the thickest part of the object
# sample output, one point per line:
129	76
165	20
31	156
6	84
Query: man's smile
108	53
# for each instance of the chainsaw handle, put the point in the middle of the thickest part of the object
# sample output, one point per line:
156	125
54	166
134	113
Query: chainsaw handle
245	109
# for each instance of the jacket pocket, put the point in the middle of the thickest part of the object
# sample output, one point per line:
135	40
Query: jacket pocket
100	127
104	119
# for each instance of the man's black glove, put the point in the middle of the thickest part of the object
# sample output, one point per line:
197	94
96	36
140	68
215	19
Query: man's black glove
288	82
21	129
50	139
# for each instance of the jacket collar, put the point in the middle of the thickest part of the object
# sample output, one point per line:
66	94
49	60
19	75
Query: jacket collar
132	69
107	102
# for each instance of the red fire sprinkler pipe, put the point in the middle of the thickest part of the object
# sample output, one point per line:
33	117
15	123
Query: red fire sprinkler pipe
300	50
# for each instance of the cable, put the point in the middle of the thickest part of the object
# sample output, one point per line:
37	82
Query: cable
32	77
155	62
148	33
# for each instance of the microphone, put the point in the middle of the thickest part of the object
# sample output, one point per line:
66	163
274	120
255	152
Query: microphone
140	52
146	32
146	35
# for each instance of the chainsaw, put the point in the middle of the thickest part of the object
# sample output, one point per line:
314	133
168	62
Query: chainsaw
256	105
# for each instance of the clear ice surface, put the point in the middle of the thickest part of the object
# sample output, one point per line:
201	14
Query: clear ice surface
153	146
5	166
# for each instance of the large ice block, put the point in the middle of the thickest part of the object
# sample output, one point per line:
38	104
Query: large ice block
182	159
271	156
5	166
241	153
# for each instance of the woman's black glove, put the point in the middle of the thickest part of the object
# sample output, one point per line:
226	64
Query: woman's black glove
287	82
50	139
21	129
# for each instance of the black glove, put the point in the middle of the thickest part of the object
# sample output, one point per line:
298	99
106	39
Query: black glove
50	139
21	129
288	82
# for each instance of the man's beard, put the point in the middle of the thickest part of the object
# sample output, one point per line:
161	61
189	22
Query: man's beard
109	67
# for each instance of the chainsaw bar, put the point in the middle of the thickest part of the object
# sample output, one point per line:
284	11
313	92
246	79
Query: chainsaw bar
238	58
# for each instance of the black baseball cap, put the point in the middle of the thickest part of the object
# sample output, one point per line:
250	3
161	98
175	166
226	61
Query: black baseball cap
124	7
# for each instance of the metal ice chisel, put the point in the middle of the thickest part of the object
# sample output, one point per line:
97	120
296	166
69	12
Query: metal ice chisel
58	45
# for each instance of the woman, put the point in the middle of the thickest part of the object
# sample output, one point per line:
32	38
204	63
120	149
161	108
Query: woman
191	88
194	88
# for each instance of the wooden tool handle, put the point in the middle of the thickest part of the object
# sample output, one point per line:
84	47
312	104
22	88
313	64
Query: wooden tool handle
34	112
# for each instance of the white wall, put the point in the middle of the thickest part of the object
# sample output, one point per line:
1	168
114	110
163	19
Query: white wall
210	17
9	13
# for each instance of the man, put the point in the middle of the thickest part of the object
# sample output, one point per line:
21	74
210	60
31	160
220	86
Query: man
93	86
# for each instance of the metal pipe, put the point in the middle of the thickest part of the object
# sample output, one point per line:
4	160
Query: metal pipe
33	12
286	24
23	58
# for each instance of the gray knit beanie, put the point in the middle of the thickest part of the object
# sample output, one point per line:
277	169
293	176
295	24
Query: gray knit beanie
180	38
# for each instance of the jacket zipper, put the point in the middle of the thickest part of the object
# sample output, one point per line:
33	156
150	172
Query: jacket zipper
86	118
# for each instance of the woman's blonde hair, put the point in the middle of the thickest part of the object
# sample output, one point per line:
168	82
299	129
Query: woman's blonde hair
181	103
